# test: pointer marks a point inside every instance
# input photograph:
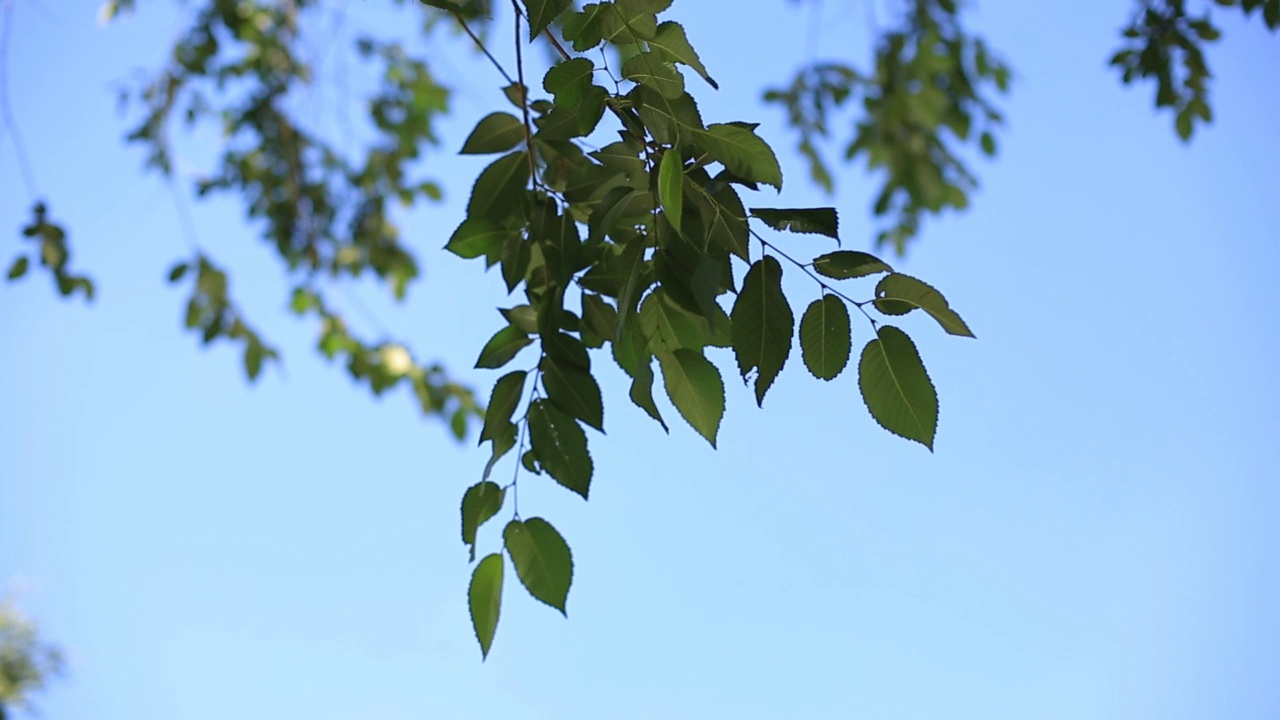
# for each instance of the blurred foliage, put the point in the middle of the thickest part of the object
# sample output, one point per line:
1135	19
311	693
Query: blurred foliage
27	663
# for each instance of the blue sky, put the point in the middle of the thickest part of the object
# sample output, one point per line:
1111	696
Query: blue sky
1094	536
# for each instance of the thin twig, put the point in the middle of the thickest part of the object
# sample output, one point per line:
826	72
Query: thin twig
474	38
524	99
804	267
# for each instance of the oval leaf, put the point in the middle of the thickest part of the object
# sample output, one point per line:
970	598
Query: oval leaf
671	185
561	446
743	152
816	221
573	390
695	388
479	503
485	598
896	387
496	132
846	264
542	559
898	294
502	403
762	325
824	337
502	347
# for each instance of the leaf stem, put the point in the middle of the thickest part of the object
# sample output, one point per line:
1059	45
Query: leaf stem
524	99
474	38
823	284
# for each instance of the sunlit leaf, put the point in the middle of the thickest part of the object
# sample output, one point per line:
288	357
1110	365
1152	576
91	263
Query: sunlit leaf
485	598
479	503
825	337
695	388
542	559
561	446
896	387
743	152
898	294
671	185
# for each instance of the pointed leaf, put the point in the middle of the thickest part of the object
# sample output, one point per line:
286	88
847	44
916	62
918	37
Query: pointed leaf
817	221
497	189
561	446
502	403
542	12
825	337
846	264
667	326
743	152
670	41
478	236
695	388
648	69
19	268
542	559
485	598
642	392
762	325
898	294
496	132
671	185
573	390
504	440
481	502
896	387
502	347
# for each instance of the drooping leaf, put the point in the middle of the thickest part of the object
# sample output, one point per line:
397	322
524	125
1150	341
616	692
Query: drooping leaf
846	264
762	325
502	403
818	221
642	392
502	347
542	12
573	390
825	337
498	187
695	388
502	444
496	132
649	69
896	387
485	598
561	446
542	559
671	41
898	294
743	152
479	503
671	185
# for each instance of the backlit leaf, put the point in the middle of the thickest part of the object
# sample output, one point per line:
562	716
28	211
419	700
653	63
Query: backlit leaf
499	186
825	337
896	387
542	12
762	325
846	264
542	559
695	388
481	502
485	598
648	69
898	294
671	185
561	446
502	347
743	152
670	41
573	390
476	237
496	132
502	404
818	221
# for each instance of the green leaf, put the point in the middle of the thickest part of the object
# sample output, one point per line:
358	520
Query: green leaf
485	598
502	444
479	503
898	294
642	392
542	12
498	187
542	559
253	356
502	404
667	326
896	387
725	219
846	264
648	69
19	267
502	347
742	152
825	337
599	316
496	132
573	390
671	185
817	221
477	237
671	42
671	121
762	325
695	388
569	80
561	446
175	273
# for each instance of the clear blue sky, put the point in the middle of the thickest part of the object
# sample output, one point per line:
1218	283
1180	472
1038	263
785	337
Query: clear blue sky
1095	536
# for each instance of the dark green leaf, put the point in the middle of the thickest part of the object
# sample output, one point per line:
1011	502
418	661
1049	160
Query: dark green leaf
648	69
573	390
825	337
762	325
671	42
599	316
671	185
479	503
542	12
817	221
561	446
845	264
898	294
477	237
642	391
496	132
497	190
695	388
667	326
896	387
569	80
742	152
542	559
502	444
502	347
175	273
485	598
19	267
502	404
